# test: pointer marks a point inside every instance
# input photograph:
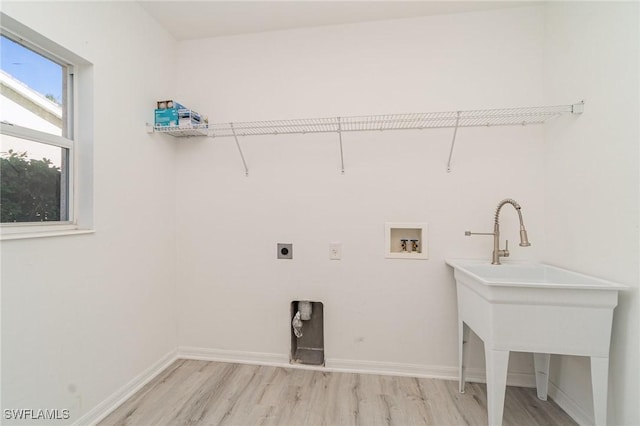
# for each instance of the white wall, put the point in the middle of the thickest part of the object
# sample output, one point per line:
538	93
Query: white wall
592	186
83	315
234	295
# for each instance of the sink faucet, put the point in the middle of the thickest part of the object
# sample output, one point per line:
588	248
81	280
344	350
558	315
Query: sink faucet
497	253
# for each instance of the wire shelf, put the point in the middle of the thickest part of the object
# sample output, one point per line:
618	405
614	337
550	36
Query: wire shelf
181	132
412	121
430	120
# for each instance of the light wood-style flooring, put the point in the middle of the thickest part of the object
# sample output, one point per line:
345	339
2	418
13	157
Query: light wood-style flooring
214	393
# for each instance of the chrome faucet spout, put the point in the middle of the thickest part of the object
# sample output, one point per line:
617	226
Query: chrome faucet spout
497	252
524	239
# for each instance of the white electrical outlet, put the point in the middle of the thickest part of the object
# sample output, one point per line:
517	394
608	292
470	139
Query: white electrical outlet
335	251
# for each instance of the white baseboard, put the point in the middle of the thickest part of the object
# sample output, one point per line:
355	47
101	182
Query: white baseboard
348	365
522	380
391	368
237	357
104	408
570	406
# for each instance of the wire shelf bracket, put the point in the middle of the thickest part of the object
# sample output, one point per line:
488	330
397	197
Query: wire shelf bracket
341	153
453	142
411	121
244	163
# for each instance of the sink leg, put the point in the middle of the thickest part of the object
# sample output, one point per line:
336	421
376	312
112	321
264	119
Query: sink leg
497	362
541	364
599	383
463	339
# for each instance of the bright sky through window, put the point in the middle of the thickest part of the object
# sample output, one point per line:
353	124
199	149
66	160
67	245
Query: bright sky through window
30	83
34	70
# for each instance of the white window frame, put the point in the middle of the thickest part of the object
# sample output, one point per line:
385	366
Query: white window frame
77	140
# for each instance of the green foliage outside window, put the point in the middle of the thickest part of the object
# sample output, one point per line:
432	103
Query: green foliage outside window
29	189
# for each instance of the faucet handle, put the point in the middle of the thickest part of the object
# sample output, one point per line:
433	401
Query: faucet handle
469	233
506	249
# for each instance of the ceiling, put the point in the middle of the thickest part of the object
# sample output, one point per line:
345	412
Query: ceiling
187	20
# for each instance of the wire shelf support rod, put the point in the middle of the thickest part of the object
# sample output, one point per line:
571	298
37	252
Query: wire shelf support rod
244	163
453	141
341	153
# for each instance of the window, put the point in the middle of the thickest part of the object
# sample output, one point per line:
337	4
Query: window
38	139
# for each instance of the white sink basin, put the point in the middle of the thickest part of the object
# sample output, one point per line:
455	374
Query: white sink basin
527	274
533	307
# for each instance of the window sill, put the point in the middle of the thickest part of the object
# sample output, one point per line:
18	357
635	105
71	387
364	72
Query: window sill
44	234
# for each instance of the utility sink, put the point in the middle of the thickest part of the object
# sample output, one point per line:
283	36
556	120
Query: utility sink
537	308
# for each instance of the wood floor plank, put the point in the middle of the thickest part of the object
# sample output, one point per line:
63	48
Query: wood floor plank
193	392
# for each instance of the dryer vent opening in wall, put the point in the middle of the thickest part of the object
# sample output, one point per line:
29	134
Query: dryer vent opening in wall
307	332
